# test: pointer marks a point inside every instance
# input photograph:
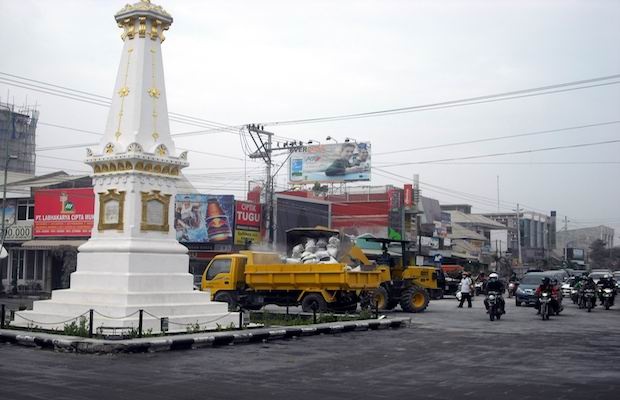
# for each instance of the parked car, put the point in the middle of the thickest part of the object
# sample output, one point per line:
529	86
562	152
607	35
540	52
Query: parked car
526	292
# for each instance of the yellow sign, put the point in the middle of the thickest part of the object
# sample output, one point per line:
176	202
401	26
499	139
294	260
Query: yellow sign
242	236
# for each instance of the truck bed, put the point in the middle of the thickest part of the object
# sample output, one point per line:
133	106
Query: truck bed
311	276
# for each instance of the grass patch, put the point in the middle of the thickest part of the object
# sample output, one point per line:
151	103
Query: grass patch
279	319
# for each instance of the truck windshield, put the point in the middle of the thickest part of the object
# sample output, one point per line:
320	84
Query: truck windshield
218	267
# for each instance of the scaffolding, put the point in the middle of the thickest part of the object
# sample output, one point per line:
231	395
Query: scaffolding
17	136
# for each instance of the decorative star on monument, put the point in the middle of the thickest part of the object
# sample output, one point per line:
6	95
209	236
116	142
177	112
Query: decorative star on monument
153	92
124	91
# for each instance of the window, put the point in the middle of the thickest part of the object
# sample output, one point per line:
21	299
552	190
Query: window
4	265
30	256
218	267
25	210
40	265
17	263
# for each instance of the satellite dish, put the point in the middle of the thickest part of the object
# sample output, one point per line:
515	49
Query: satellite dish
3	253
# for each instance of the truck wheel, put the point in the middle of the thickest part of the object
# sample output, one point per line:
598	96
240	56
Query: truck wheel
414	299
226	297
313	301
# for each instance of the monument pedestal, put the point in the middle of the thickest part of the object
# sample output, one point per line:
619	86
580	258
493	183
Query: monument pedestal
116	285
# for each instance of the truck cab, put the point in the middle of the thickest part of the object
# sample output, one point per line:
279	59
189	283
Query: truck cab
224	272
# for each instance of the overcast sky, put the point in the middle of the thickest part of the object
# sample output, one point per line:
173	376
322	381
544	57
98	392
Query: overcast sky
238	62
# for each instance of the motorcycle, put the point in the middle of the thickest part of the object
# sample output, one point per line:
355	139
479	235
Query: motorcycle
607	298
478	288
588	299
574	295
545	305
512	288
494	306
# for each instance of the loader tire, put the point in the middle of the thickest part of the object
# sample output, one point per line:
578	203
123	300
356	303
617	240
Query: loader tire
391	304
414	299
229	298
380	296
312	302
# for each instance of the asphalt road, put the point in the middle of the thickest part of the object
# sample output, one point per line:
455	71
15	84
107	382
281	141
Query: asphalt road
447	353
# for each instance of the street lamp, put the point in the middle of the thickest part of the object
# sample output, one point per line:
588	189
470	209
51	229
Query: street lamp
312	141
331	138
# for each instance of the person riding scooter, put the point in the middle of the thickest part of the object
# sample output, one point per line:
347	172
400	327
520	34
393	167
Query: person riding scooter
546	286
495	285
607	282
587	284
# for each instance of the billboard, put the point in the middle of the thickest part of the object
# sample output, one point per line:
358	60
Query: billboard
247	222
338	162
203	218
64	212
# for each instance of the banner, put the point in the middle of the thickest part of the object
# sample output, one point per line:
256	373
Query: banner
408	195
247	222
201	218
9	212
338	162
64	212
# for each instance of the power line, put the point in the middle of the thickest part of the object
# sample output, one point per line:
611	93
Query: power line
572	146
534	133
79	95
460	102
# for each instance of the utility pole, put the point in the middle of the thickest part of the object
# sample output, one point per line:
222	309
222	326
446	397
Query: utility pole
497	193
565	238
519	234
264	151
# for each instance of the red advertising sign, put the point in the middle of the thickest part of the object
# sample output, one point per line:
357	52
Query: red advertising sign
408	189
247	222
64	212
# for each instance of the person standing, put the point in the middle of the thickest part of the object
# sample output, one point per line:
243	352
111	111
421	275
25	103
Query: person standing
466	288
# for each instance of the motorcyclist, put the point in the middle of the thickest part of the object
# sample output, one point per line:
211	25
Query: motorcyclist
513	277
494	285
607	282
482	279
588	283
546	286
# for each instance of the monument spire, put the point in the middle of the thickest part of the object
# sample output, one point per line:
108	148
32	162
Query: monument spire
139	112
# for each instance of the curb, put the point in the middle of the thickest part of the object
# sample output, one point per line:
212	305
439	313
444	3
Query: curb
190	341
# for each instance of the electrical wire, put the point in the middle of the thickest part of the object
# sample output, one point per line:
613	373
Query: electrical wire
460	102
492	139
572	146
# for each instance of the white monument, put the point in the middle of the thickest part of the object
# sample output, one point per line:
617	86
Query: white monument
133	260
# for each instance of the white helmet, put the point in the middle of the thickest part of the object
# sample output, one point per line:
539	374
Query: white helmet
493	276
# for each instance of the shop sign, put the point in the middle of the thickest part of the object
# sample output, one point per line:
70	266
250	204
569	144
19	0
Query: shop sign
64	212
18	233
247	222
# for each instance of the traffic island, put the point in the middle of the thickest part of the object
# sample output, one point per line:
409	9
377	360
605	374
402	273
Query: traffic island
75	344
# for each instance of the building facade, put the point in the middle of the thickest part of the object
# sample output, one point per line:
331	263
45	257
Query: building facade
582	238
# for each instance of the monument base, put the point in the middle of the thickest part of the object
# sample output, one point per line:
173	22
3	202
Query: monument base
116	286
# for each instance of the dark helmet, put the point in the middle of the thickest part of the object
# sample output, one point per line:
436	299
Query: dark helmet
546	280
